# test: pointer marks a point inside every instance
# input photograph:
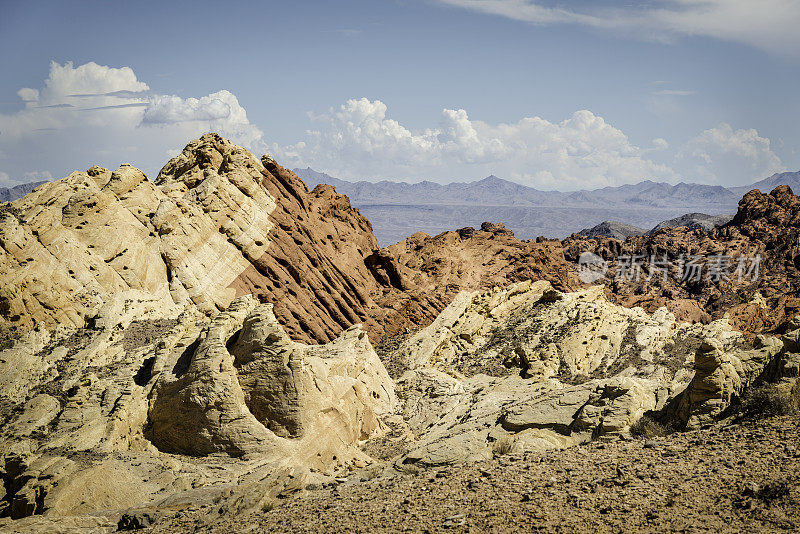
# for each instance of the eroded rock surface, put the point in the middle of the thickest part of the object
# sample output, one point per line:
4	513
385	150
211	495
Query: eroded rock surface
761	299
529	368
116	418
204	340
216	224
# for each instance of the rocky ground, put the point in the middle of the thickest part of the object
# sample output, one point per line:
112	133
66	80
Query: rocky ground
744	477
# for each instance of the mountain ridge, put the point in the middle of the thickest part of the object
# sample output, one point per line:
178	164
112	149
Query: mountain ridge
646	192
398	209
7	194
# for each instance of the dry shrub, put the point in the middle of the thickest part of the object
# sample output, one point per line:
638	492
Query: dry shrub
647	427
770	400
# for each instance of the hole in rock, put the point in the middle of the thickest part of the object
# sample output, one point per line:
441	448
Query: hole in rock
145	372
185	359
232	340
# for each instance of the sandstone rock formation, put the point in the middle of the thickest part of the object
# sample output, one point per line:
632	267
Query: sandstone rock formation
216	224
112	415
244	384
431	271
721	377
205	338
766	226
529	368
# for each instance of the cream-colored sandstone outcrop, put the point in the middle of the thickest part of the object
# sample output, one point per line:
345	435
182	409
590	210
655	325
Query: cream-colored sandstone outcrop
82	239
530	368
247	388
215	224
116	414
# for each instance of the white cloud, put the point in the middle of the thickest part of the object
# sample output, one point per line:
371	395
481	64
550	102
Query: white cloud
659	144
358	140
98	114
767	24
89	78
28	95
220	111
731	157
166	109
94	114
5	180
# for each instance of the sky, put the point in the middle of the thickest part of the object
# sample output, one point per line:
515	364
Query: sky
552	94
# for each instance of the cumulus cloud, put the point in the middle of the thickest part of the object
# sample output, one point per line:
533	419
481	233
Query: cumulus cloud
359	140
766	24
167	109
659	144
94	114
218	111
85	114
732	157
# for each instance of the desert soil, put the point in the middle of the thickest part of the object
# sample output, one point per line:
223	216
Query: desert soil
744	477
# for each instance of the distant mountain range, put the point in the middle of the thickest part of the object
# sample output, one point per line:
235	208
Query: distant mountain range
398	209
7	194
494	191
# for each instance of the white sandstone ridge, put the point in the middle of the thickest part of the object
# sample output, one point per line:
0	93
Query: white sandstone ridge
156	407
579	368
215	224
92	234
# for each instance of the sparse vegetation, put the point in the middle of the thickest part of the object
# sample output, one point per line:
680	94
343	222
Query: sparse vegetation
774	490
769	400
647	428
8	209
7	336
503	446
268	505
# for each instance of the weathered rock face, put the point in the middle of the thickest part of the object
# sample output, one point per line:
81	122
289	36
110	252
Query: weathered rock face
216	224
242	384
164	354
113	413
532	368
766	225
720	377
431	271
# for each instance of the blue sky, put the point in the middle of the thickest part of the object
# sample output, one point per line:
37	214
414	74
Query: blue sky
566	95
